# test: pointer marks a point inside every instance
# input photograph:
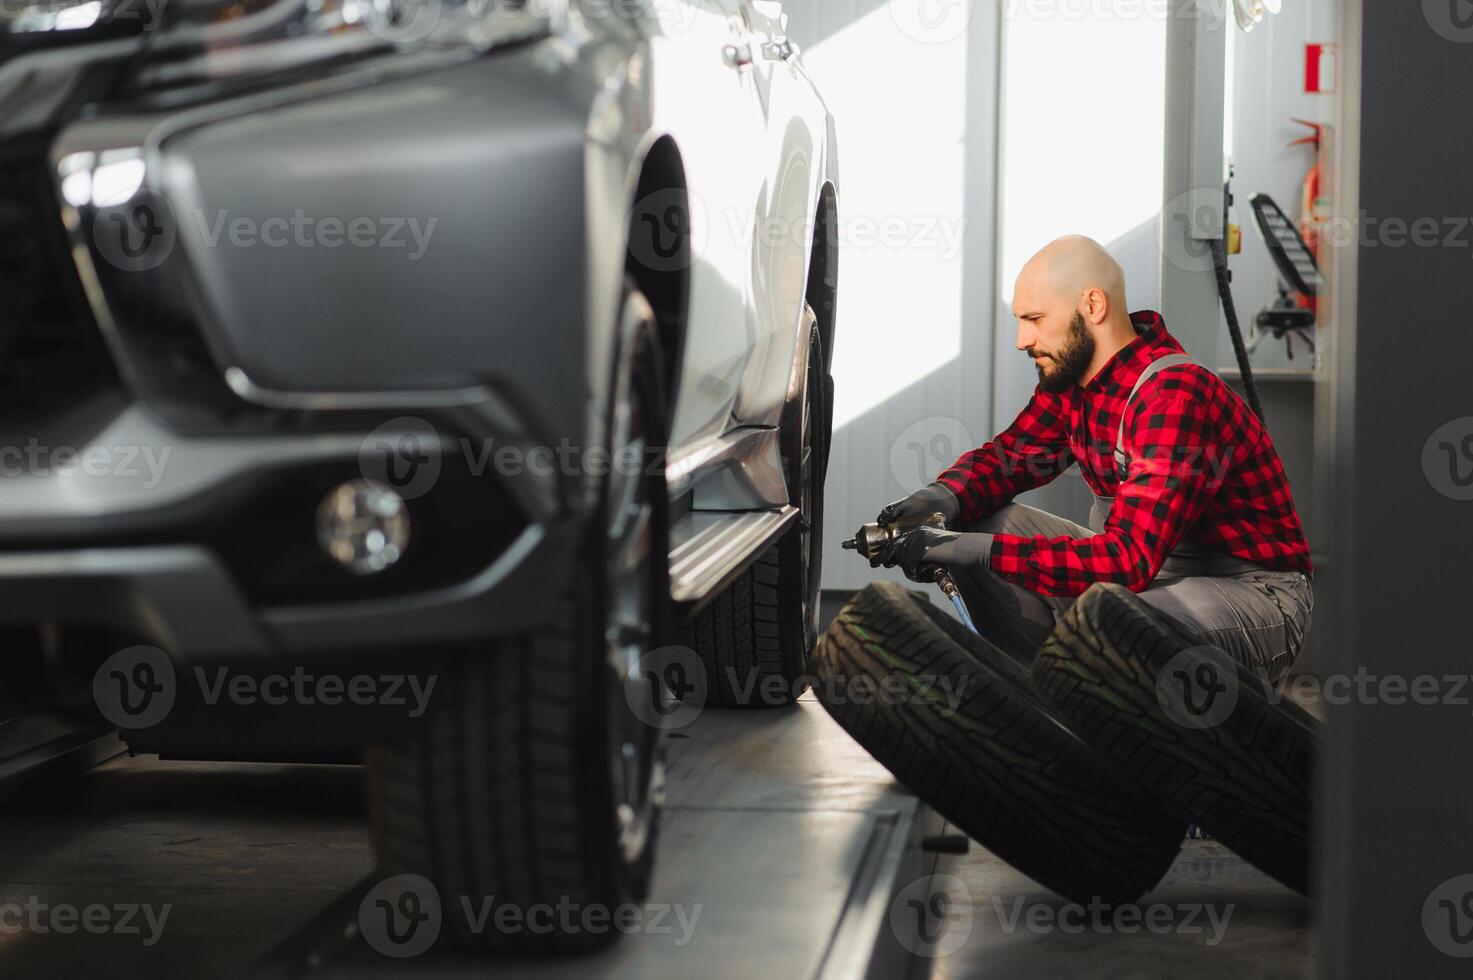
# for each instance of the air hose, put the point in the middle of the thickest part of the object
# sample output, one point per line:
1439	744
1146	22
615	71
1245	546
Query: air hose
1230	310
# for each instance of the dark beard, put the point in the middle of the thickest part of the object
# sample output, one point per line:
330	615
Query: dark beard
1071	362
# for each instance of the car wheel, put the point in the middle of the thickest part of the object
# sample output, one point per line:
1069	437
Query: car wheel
1220	751
534	780
754	639
956	720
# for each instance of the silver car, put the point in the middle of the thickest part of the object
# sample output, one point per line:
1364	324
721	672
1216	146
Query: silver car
444	384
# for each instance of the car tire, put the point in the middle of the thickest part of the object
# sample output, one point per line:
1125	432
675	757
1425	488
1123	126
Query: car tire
754	638
1244	774
1000	767
534	781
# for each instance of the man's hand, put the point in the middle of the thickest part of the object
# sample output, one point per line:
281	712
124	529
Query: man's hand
933	499
933	546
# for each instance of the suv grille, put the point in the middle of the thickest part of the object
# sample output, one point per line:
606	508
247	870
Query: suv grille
52	357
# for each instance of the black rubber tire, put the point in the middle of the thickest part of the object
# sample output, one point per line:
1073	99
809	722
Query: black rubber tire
754	639
508	792
1003	769
1246	778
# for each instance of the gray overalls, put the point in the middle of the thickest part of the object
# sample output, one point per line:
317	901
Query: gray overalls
1188	557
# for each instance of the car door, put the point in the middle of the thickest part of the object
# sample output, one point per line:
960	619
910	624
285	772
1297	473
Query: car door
704	96
787	114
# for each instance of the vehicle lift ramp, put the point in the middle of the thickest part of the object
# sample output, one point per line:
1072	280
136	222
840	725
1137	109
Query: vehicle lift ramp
790	840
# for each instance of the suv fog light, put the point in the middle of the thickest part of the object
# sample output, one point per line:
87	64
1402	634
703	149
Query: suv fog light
364	526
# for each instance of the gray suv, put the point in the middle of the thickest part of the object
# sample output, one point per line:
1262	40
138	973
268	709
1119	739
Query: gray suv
443	384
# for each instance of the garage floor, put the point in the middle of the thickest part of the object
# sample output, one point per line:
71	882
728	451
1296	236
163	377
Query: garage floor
775	829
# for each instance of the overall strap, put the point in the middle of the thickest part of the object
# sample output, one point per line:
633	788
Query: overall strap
1160	364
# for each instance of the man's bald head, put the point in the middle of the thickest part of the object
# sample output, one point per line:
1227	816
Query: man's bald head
1066	268
1070	304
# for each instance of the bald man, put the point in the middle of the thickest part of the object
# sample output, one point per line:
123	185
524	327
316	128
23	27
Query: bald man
1192	510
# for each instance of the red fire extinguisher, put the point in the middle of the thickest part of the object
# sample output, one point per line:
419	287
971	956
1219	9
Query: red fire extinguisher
1313	209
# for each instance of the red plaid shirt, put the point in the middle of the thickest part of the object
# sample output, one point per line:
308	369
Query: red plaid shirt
1202	468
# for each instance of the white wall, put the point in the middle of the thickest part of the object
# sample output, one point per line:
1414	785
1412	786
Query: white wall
1083	110
912	84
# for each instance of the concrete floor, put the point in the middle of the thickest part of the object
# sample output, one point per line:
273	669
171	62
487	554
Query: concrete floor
245	854
1213	916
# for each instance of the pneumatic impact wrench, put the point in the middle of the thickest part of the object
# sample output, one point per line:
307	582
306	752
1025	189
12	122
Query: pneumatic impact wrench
875	538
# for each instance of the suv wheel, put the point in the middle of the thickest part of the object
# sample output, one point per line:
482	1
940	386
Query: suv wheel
755	638
534	781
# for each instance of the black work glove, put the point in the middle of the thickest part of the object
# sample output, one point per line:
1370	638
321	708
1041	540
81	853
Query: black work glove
933	499
931	546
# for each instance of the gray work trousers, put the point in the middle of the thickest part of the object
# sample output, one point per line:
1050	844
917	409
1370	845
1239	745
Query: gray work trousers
1259	617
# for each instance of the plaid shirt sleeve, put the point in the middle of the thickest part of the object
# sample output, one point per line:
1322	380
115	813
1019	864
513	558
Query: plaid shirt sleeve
1170	439
1029	453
